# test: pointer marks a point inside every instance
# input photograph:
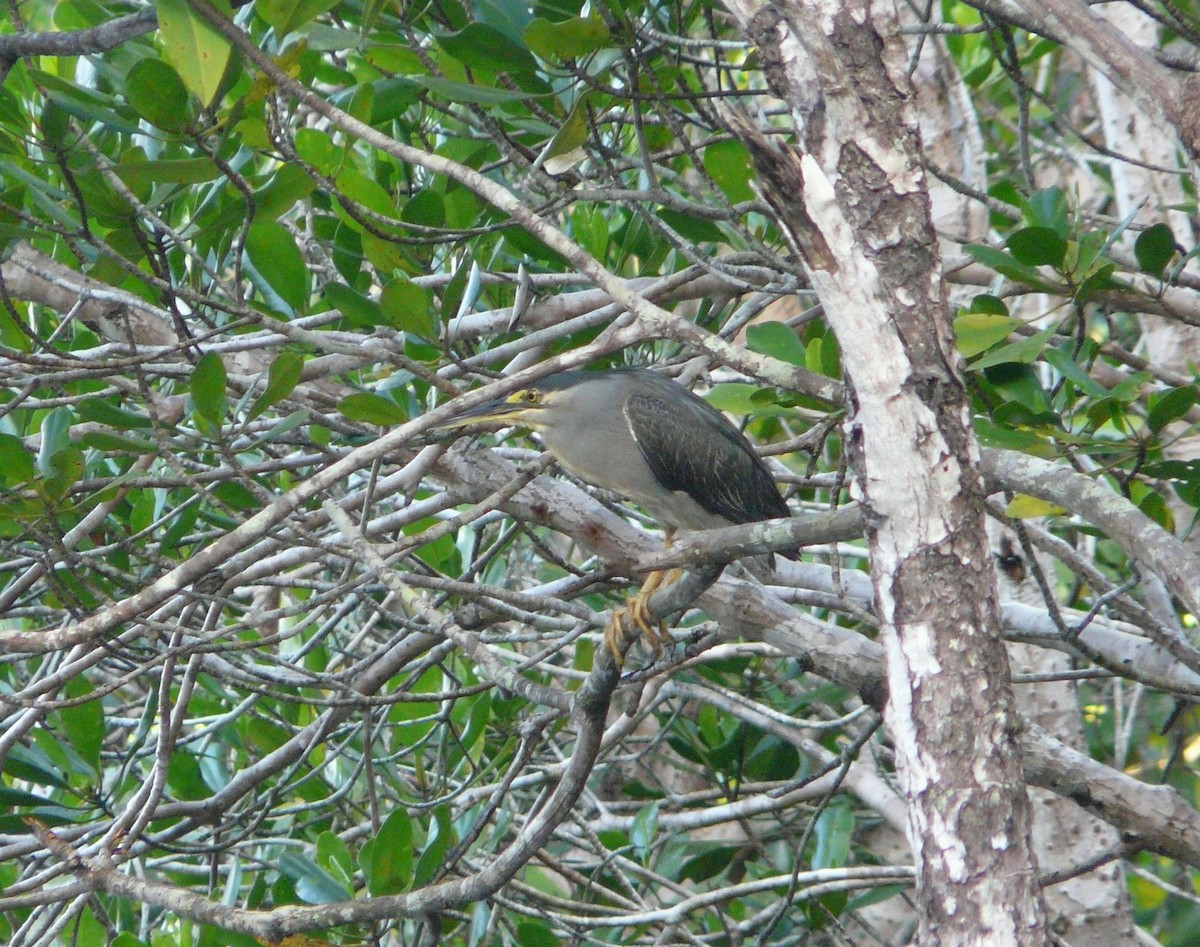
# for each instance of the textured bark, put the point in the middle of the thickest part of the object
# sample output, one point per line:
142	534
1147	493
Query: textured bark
853	197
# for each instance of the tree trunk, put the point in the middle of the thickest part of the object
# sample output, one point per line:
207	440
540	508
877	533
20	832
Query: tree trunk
853	195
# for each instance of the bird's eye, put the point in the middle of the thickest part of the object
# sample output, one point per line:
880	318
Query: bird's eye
533	397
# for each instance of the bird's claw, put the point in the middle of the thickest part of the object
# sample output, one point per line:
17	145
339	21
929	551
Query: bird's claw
635	619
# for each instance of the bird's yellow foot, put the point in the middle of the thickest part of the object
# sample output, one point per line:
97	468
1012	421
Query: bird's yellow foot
634	619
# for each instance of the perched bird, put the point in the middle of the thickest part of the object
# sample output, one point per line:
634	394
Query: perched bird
641	435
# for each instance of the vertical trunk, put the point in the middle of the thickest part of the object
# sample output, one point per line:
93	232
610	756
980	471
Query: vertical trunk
852	196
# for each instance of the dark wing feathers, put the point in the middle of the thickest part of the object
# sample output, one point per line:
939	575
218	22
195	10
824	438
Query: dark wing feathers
713	463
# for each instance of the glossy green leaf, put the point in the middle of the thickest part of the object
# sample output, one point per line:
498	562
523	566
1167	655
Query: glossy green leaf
450	91
83	723
1154	248
66	467
536	934
1025	507
313	884
103	441
425	208
354	307
437	844
1170	406
728	164
56	437
565	149
104	412
1048	208
87	105
643	830
16	463
391	863
287	16
833	830
197	51
316	147
393	97
158	94
276	258
776	340
371	408
708	865
566	39
182	171
1024	351
976	332
1007	265
481	46
1072	372
282	378
406	306
208	388
1038	246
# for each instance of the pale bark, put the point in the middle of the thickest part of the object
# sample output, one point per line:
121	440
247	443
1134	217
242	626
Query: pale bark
853	197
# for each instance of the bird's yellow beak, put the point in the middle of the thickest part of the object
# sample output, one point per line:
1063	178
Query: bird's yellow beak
513	409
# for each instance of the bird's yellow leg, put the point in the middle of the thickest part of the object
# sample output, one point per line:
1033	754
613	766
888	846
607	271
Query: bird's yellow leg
634	617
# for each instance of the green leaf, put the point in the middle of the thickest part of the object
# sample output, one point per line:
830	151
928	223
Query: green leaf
56	437
105	412
66	468
276	258
66	98
287	16
833	830
566	39
426	209
355	308
138	174
1154	248
776	340
334	857
1048	208
405	305
484	47
976	332
985	303
728	164
441	837
1017	384
471	94
536	934
1007	265
1025	351
208	388
371	408
83	723
1170	406
392	99
741	398
1066	366
16	463
115	443
197	51
707	865
565	149
282	377
159	95
1038	246
1025	507
390	868
643	830
313	884
1097	281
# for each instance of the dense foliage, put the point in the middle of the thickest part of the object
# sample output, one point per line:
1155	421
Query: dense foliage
265	642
